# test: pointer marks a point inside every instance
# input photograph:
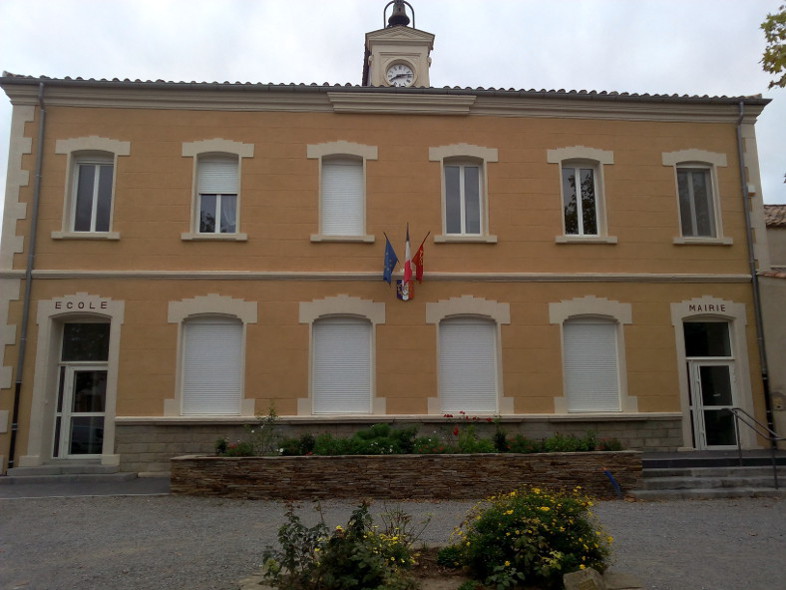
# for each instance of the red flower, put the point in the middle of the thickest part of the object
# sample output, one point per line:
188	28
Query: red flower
456	431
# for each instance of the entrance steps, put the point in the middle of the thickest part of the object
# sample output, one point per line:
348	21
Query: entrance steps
66	472
706	475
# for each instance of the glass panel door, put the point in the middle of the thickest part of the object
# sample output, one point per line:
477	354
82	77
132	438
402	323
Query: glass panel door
79	419
712	395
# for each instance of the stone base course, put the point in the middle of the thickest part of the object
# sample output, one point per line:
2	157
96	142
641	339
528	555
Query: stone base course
148	446
402	476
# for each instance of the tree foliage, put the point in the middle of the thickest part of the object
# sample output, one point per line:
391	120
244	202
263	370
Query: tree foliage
774	58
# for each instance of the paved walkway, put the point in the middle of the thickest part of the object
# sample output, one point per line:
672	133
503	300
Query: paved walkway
64	488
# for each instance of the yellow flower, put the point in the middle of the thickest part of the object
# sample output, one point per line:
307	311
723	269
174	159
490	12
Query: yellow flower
535	490
582	566
545	508
507	564
513	494
509	512
610	539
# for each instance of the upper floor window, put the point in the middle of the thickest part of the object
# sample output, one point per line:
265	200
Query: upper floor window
465	204
90	187
92	202
697	208
698	200
217	188
583	200
342	190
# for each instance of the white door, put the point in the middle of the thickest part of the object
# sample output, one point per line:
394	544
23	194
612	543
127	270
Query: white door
79	415
712	394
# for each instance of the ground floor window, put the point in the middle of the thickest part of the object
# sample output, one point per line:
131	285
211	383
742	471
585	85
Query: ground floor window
468	365
590	352
212	365
341	366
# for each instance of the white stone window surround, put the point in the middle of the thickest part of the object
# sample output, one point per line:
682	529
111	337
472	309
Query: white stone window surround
90	148
711	161
202	306
336	306
596	307
216	147
592	158
463	153
711	308
471	306
51	314
338	149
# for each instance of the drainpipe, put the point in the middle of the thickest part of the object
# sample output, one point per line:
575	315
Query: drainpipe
20	362
757	308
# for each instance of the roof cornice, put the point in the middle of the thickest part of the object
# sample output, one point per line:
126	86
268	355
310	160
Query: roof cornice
23	90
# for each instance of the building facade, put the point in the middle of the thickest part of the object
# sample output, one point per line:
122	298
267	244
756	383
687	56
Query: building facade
179	257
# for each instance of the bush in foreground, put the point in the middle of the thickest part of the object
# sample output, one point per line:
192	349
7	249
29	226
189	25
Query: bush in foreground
530	537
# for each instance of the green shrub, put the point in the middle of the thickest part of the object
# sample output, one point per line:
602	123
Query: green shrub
356	557
522	444
470	442
609	444
529	536
303	445
561	443
430	445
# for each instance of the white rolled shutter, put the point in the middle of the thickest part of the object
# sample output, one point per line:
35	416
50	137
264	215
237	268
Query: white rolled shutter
212	366
591	368
341	378
468	365
342	208
217	175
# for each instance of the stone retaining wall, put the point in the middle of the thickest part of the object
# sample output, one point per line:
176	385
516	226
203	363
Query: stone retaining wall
401	476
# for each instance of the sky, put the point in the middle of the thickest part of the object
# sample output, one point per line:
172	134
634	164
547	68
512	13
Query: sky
693	47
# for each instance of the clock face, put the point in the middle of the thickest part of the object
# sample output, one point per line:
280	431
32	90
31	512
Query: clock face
400	75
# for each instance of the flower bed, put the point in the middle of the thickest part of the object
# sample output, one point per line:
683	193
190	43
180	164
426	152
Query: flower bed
403	476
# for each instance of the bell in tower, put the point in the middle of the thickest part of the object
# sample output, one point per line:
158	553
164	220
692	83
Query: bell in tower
398	18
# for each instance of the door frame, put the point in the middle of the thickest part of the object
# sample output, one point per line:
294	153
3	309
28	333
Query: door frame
62	435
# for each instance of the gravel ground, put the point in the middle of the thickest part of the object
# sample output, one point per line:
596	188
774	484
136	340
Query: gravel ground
181	543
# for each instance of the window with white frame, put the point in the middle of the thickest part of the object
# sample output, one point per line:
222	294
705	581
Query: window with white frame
697	208
468	365
212	379
582	194
698	201
217	191
342	190
342	365
464	191
463	197
590	362
93	189
342	204
580	198
90	188
217	199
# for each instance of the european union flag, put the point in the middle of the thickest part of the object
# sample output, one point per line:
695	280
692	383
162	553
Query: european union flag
391	260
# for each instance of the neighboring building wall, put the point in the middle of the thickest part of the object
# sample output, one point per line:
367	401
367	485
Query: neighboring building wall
773	293
776	237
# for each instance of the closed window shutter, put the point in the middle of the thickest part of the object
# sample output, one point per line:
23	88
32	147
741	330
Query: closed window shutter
212	366
468	365
342	197
342	366
217	175
591	372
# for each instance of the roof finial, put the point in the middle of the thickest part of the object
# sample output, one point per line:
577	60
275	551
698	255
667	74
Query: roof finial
398	17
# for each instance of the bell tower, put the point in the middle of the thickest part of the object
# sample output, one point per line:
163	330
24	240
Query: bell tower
398	55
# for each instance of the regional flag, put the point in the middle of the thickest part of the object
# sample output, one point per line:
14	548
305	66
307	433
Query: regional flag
417	260
391	260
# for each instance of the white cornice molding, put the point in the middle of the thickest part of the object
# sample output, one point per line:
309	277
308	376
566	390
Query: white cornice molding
314	98
499	277
405	104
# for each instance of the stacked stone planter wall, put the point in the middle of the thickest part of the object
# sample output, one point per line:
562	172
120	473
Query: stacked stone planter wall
402	476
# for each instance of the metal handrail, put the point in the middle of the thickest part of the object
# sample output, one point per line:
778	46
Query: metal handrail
762	430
